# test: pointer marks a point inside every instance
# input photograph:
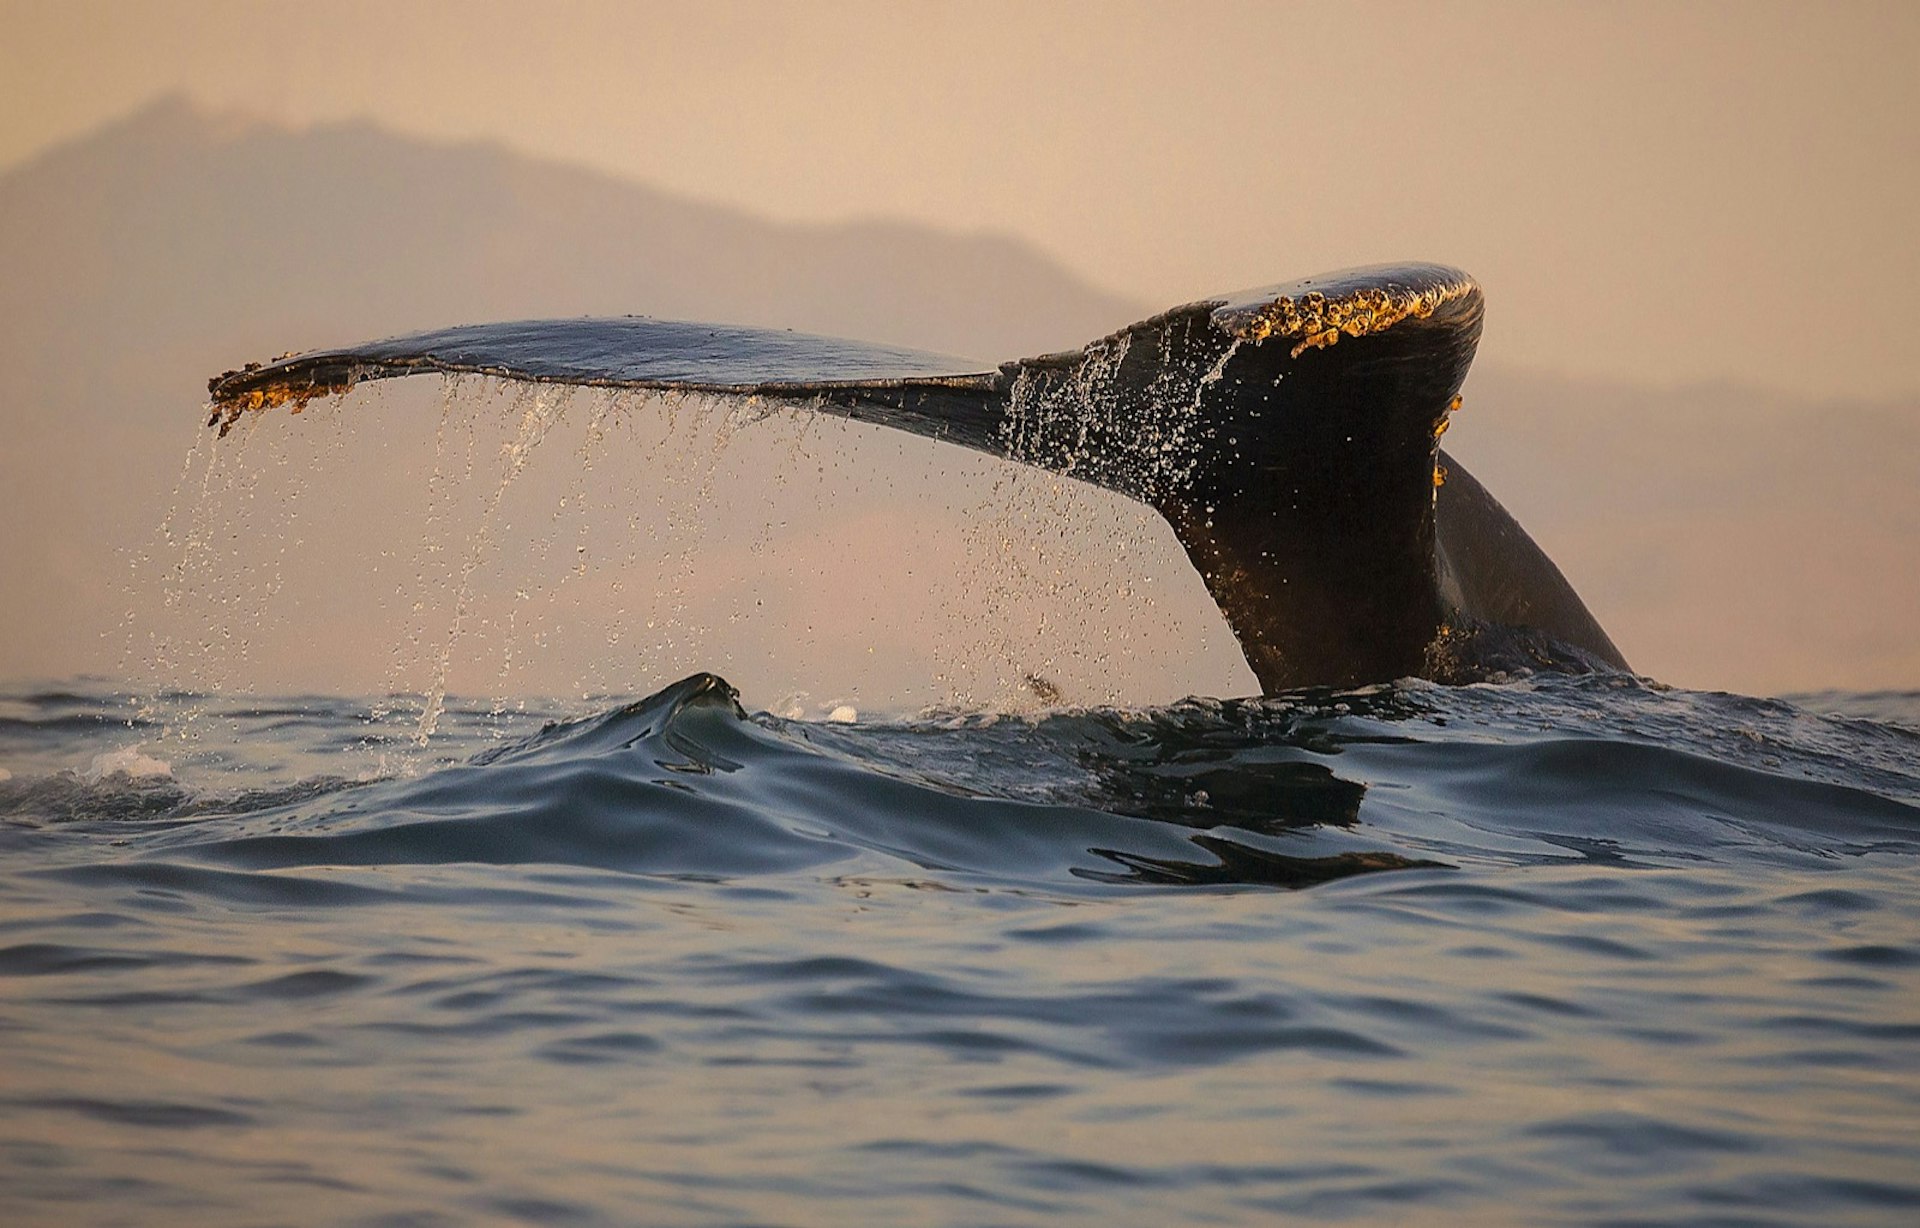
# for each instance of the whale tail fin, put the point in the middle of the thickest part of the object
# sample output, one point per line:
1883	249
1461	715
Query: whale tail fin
937	394
1289	435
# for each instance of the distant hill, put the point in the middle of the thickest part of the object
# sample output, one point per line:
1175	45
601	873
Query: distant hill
1726	539
175	244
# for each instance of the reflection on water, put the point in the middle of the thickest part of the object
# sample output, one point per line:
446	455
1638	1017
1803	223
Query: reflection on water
1577	950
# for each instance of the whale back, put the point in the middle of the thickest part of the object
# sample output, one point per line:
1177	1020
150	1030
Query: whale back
1290	436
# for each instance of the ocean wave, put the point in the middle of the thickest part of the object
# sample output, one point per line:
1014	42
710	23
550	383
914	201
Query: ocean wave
1290	791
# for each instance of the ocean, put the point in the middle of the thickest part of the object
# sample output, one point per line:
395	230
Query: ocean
1560	950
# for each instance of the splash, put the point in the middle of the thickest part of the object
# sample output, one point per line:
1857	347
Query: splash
128	761
1096	419
539	408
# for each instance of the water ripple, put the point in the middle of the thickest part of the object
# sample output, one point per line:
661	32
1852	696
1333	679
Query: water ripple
1566	951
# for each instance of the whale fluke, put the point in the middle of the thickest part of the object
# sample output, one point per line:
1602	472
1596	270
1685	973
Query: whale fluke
1290	435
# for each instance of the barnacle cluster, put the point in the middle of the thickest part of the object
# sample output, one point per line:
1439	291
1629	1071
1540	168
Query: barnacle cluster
1315	320
237	392
1439	429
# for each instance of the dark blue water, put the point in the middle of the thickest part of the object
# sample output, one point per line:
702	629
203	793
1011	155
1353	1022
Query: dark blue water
1573	950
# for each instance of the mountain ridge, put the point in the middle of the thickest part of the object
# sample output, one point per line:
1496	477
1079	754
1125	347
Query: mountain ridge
176	243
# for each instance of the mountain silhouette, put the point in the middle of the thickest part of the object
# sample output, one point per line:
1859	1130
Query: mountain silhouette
1726	538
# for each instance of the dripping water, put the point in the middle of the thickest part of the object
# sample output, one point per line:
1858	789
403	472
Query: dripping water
600	549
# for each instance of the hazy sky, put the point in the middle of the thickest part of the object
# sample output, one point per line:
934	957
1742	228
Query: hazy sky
1662	192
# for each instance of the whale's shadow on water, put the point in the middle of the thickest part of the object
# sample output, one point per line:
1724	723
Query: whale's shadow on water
1235	771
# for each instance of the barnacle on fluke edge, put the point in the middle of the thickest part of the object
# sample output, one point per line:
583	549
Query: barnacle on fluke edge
232	395
1316	320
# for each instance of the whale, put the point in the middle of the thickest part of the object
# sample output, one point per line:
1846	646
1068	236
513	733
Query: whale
1289	435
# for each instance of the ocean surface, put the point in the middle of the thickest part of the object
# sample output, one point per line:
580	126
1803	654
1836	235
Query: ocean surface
1566	950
